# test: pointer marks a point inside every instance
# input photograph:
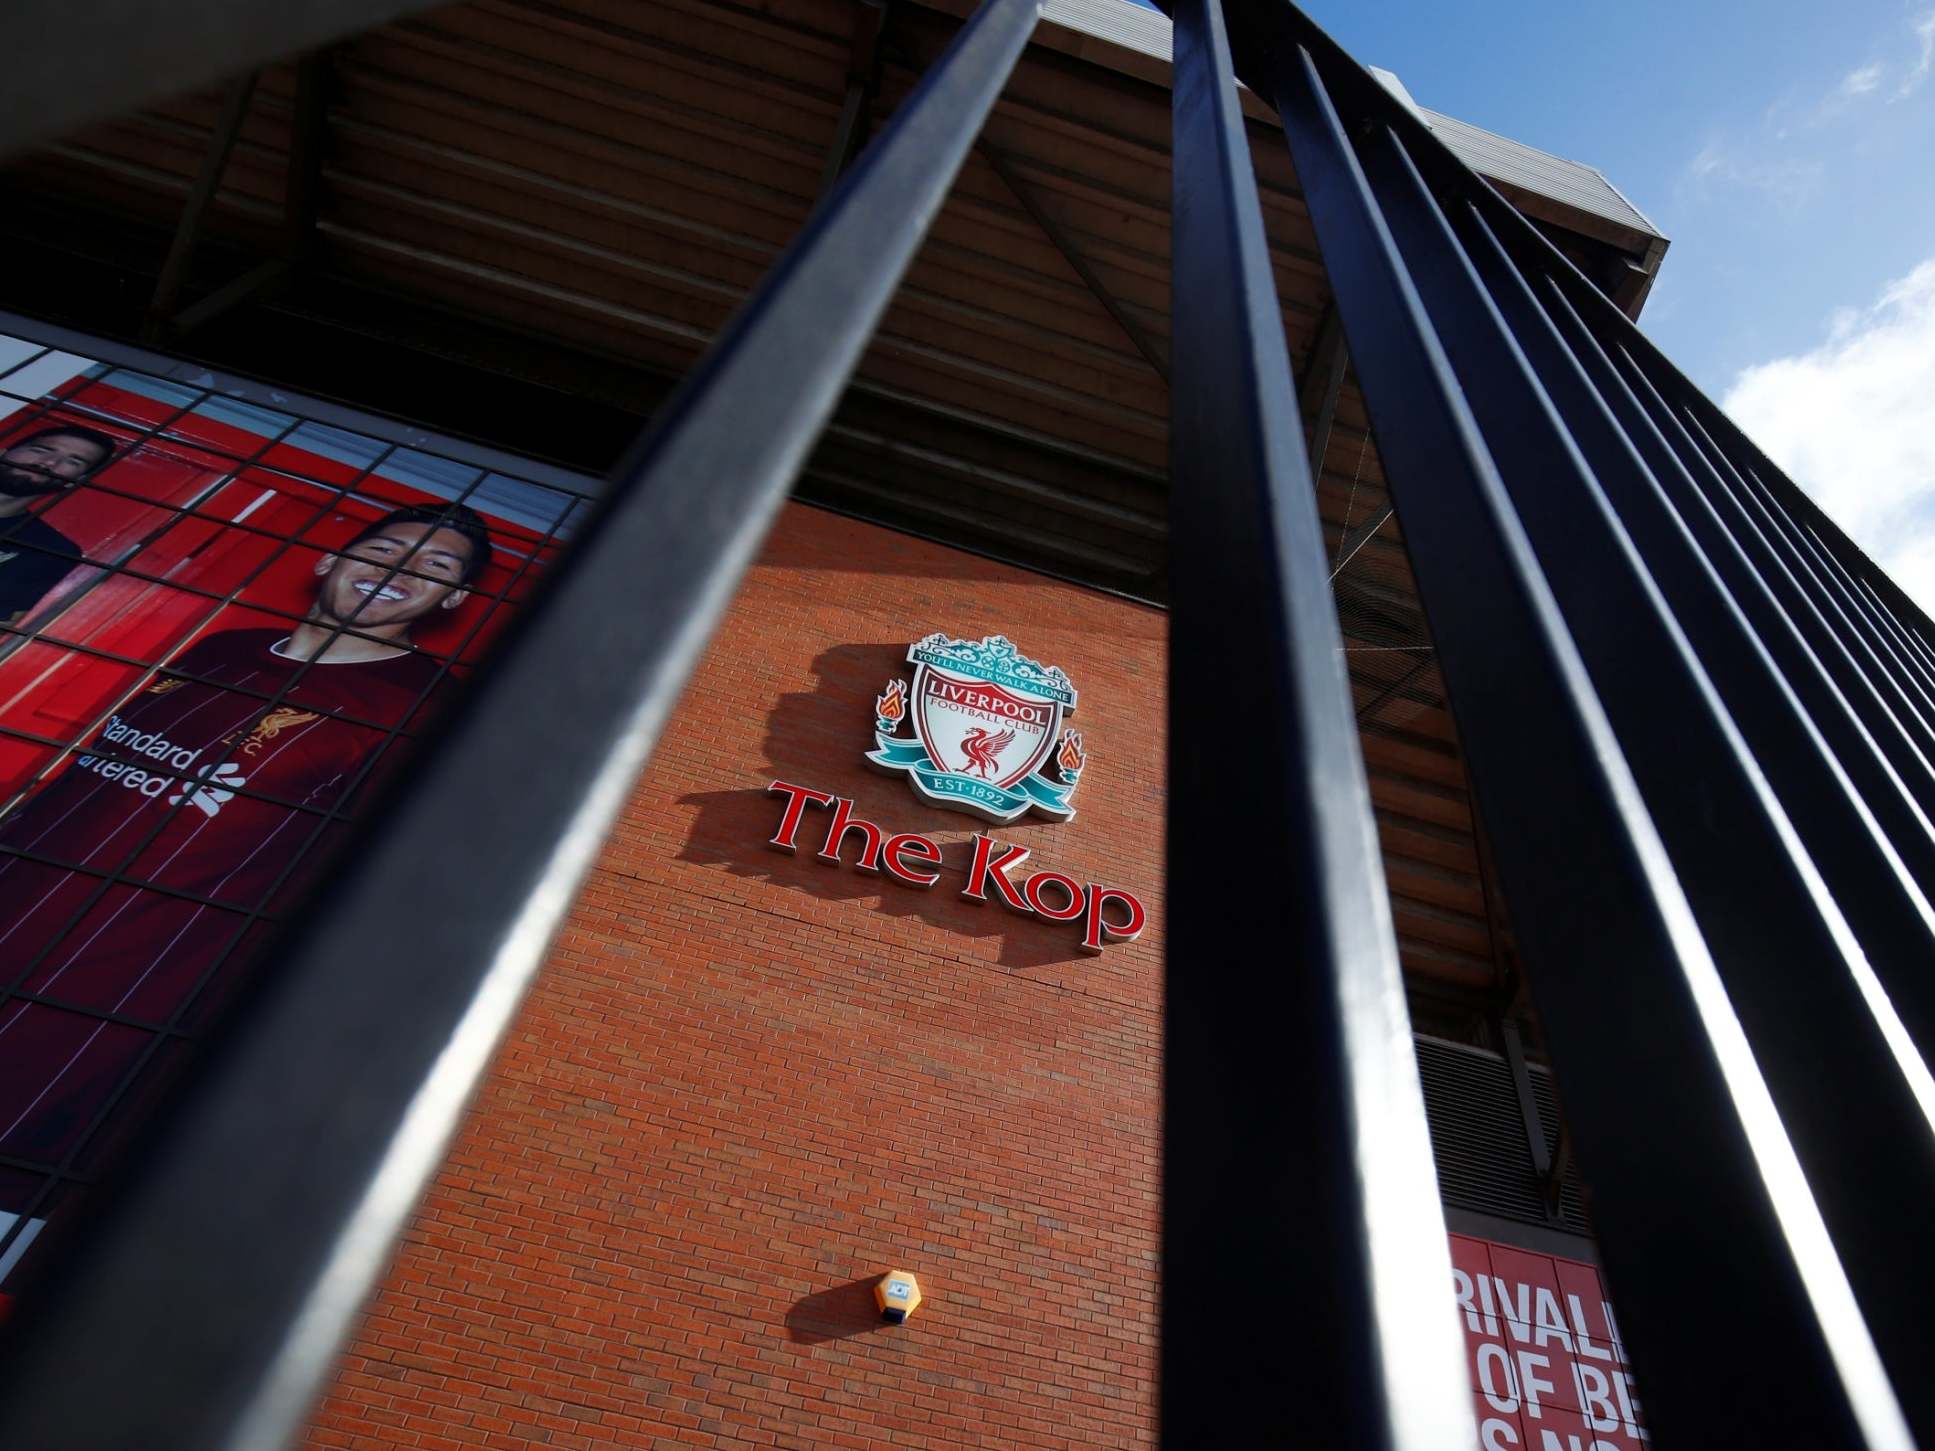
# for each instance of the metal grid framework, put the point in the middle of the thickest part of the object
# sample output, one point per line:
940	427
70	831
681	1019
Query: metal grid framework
1700	736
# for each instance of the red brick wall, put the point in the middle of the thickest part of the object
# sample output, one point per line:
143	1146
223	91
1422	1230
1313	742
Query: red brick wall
749	1083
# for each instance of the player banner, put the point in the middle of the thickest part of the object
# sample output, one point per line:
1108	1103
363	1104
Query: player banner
223	628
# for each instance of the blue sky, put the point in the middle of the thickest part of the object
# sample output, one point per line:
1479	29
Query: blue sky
1788	149
1788	193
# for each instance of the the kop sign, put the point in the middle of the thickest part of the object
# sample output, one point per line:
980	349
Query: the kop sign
984	728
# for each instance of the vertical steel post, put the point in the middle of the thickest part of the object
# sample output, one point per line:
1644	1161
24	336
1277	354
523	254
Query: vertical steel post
1879	712
1834	577
1911	706
1615	957
1908	831
1910	641
1297	1166
1710	736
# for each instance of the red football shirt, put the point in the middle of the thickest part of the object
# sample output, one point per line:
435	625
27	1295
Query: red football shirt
157	796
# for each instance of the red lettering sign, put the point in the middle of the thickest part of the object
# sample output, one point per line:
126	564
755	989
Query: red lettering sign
987	867
909	847
1098	926
845	821
1074	902
1548	1367
796	799
1107	914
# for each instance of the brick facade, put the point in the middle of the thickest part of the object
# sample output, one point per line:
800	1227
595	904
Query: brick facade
749	1083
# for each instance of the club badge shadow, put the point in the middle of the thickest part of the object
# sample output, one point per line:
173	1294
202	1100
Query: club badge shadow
819	738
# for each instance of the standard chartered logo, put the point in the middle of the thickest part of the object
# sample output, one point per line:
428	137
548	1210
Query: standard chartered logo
206	787
209	796
136	742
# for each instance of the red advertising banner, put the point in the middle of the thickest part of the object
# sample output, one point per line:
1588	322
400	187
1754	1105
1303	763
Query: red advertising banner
1548	1365
222	628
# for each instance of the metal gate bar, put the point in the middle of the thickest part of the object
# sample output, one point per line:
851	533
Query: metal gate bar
1914	642
1596	893
1736	778
1297	1166
1877	714
198	1317
1883	619
1909	711
1834	582
1906	829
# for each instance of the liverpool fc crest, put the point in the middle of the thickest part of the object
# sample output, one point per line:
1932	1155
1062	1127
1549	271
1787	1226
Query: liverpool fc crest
987	721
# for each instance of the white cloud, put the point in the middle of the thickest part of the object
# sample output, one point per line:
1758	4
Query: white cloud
1852	421
1789	183
1859	83
1794	115
1924	28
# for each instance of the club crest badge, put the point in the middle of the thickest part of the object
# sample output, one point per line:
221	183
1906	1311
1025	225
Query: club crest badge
986	727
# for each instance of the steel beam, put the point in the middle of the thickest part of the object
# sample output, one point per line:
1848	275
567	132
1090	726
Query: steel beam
1004	167
181	250
1323	385
863	84
308	134
260	281
308	122
1552	1192
1528	1104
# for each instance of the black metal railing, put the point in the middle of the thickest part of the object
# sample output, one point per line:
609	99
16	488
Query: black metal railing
1708	909
1700	733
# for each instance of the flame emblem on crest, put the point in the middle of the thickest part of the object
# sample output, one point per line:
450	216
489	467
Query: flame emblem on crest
890	707
1071	757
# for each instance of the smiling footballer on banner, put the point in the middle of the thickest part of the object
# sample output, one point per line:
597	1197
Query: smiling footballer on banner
206	784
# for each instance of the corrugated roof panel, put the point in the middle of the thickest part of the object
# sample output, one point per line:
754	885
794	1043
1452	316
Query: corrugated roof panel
1120	22
1501	159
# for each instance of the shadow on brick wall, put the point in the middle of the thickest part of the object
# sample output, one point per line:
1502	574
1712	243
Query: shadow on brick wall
818	738
835	1314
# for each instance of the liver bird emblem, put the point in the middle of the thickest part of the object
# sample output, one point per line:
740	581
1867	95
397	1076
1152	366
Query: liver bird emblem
983	747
